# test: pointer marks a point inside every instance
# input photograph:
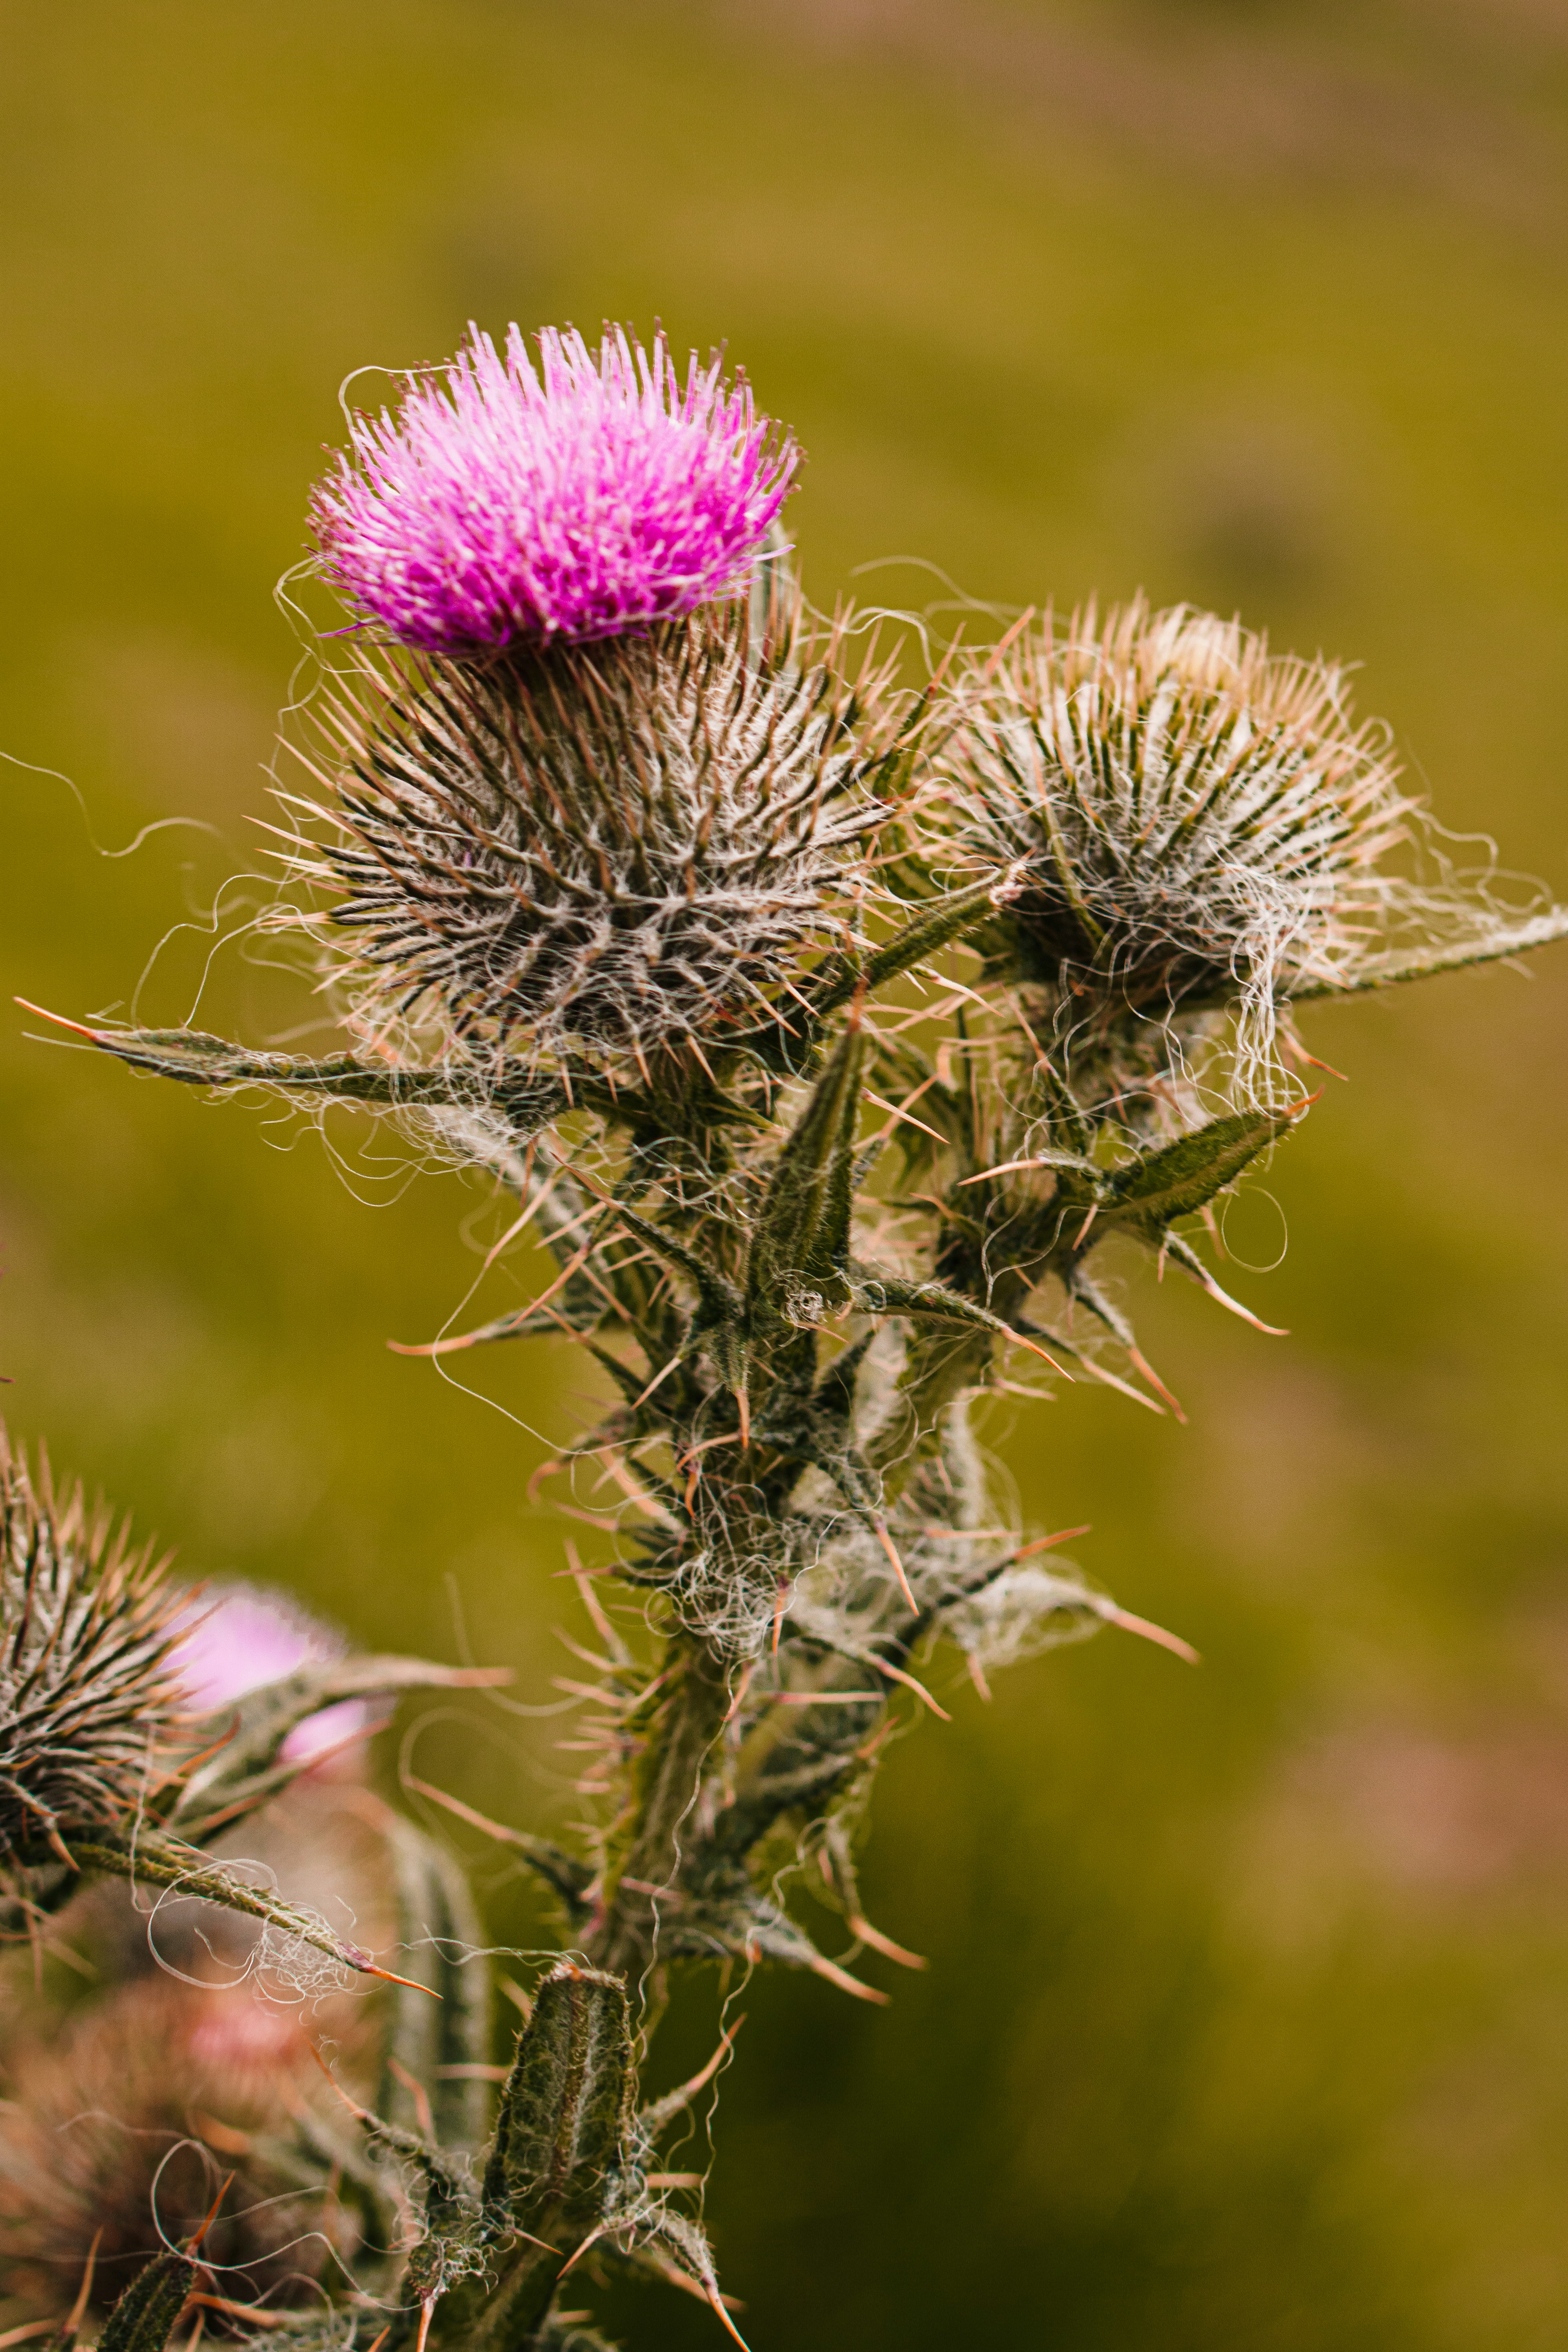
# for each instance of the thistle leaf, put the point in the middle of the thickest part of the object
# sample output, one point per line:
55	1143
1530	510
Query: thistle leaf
1180	1177
567	2108
146	2316
193	1058
155	1861
801	1244
943	919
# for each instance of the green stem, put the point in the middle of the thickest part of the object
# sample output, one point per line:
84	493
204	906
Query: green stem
689	1718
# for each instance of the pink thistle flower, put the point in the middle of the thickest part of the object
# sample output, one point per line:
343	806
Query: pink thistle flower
580	500
235	1638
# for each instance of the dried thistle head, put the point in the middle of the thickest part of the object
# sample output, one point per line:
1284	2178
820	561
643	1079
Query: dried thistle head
608	850
587	495
86	1626
1192	820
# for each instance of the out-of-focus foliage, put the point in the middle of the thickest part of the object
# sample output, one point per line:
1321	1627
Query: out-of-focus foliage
1245	2022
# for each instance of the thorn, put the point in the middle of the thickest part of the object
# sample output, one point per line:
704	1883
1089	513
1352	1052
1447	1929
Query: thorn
573	2260
1019	625
898	1675
545	1470
1269	1330
884	1944
58	1846
222	2136
360	2115
59	1020
464	1813
1141	1363
675	2276
717	2300
1152	1632
1005	1168
1078	1237
367	1967
885	1541
1297	1053
638	1402
977	1677
743	1681
592	1603
84	2293
471	1338
835	1975
212	2213
705	2075
1048	1543
1019	1339
743	1407
416	2092
247	2311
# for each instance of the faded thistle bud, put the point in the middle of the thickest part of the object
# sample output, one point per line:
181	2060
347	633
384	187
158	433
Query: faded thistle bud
85	1625
1193	821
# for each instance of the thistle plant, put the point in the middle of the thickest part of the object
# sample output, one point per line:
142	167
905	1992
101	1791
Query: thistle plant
824	1026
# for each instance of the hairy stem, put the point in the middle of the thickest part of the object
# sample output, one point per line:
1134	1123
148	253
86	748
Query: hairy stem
689	1717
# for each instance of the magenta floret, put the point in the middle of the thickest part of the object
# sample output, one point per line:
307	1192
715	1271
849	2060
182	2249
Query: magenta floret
580	498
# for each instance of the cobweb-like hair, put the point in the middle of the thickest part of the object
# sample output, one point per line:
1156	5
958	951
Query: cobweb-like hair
1193	817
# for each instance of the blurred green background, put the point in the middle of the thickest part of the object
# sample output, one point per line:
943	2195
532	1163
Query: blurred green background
1246	2021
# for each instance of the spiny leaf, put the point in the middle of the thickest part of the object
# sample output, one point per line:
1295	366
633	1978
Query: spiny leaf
193	1058
932	1302
932	928
1180	1177
567	2108
146	2316
161	1862
750	1928
802	1237
1492	946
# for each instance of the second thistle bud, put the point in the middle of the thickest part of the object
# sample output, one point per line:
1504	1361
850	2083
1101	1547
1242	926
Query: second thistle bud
1194	819
86	1627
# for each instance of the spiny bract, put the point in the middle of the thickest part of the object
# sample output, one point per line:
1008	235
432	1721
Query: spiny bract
86	1626
611	849
1192	817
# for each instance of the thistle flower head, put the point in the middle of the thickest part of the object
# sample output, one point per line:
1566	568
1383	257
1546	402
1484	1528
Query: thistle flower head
235	1638
614	850
86	1626
587	495
1191	818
